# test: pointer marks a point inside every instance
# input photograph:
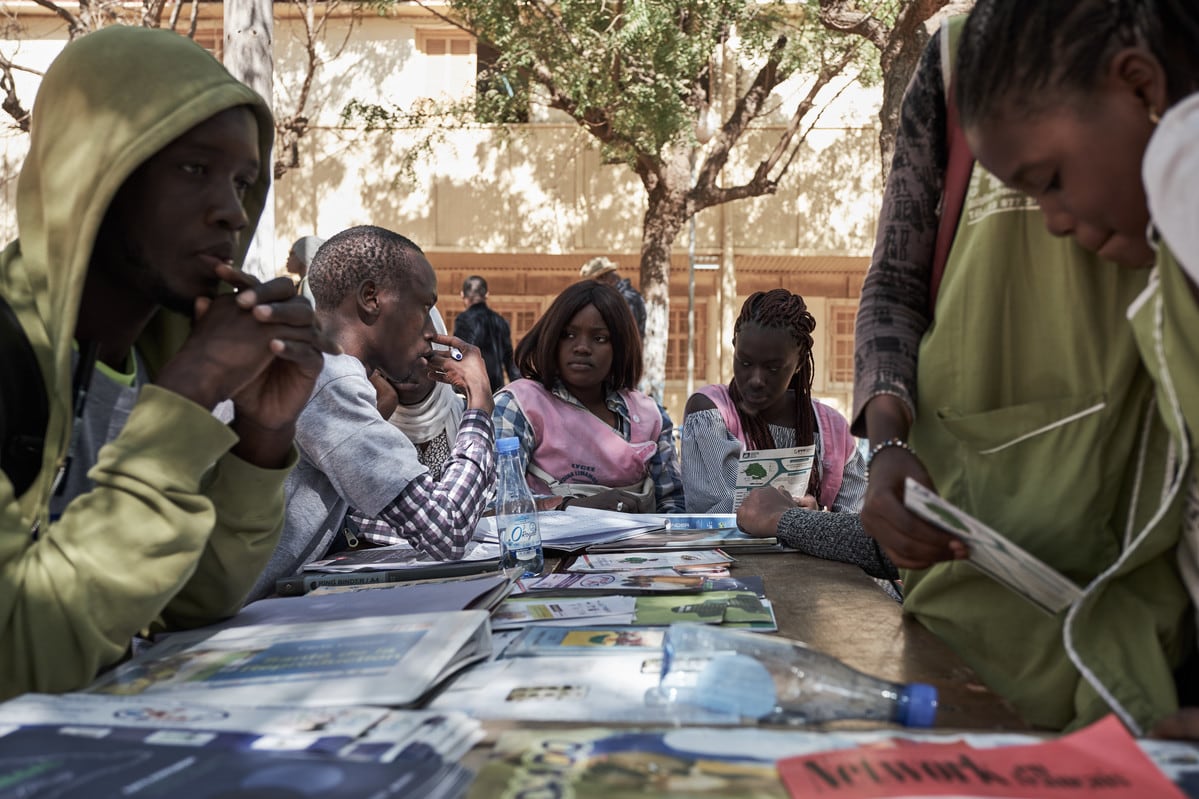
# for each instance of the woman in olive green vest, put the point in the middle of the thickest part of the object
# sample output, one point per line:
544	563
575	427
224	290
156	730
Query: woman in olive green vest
1035	413
1068	122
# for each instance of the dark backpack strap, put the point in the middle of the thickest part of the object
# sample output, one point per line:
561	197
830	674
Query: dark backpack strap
24	405
958	168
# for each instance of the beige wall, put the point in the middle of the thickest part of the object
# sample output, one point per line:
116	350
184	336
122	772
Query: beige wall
542	191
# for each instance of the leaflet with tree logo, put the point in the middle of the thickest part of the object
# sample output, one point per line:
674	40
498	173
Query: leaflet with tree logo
789	468
994	555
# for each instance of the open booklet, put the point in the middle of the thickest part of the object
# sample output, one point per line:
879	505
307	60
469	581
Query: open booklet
993	554
384	660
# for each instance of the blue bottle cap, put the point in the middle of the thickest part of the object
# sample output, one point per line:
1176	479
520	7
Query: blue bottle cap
509	444
918	705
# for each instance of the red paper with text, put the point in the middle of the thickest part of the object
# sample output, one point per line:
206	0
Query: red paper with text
1100	762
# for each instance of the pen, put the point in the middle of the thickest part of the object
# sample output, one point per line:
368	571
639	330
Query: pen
455	353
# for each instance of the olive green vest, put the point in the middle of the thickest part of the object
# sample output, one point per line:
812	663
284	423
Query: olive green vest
1165	319
1035	414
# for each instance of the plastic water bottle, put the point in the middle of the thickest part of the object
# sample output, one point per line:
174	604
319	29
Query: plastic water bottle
516	513
767	678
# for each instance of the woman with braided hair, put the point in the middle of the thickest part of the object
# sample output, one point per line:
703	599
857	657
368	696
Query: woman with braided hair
1096	116
769	405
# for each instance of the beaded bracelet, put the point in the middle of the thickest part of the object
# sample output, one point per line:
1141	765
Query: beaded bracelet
880	446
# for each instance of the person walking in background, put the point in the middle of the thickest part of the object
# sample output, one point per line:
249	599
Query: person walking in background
604	270
299	258
487	330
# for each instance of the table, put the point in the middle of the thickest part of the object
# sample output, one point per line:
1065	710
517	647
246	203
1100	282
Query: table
836	608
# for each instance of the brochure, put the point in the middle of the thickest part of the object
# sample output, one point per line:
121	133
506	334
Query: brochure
67	762
601	690
627	583
383	660
789	468
697	539
597	763
1102	760
993	554
520	611
733	608
630	561
169	711
576	528
610	640
362	733
405	559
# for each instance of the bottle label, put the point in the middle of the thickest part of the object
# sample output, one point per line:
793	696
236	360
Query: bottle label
522	536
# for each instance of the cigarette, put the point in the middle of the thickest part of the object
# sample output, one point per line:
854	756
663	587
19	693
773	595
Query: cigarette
455	353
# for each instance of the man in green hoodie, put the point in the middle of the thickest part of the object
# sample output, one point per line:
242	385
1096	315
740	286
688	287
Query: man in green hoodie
133	210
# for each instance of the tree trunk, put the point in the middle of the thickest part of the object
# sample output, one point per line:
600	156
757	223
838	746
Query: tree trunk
249	33
664	218
898	62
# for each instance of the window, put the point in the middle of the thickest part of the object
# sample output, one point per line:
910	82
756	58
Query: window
210	34
520	313
841	319
676	342
449	63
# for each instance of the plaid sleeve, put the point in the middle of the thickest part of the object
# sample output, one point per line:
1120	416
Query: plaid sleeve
439	518
510	421
664	469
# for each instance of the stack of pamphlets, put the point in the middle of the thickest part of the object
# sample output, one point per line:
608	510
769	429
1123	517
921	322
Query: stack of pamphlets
691	531
361	733
384	565
741	608
332	603
87	746
575	528
381	660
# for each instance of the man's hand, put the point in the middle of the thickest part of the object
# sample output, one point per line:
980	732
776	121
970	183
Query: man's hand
259	347
762	510
468	375
387	397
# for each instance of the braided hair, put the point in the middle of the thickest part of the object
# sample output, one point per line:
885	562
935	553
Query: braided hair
779	309
1021	54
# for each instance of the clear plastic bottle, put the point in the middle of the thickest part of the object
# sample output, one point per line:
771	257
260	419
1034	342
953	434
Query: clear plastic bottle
516	513
763	677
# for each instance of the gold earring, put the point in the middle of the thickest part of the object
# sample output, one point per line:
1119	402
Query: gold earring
1154	117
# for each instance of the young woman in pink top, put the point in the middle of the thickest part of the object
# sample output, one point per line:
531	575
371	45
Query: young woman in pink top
769	405
587	434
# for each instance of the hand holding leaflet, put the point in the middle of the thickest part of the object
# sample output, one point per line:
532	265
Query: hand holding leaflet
993	554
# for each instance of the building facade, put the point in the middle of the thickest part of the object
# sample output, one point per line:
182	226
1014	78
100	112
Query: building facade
527	206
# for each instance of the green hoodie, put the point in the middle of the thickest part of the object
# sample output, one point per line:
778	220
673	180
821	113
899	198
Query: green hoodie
177	528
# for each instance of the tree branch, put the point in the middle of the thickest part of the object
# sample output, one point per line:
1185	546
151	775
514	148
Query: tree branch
11	103
74	26
840	15
152	13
